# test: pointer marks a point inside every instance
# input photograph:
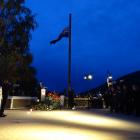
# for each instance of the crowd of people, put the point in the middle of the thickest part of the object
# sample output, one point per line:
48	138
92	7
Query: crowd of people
120	98
123	98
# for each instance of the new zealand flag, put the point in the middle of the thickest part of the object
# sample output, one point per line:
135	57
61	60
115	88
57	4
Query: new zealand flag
64	33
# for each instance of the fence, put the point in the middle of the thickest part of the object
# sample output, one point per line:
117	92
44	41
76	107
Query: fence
18	102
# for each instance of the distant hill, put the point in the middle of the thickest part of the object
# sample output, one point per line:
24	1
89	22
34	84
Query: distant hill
129	79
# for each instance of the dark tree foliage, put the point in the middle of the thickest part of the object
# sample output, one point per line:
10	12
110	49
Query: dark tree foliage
16	24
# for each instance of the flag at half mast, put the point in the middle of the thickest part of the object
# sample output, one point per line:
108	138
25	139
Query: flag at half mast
64	33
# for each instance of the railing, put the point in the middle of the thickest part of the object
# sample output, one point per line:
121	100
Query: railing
18	102
79	102
86	103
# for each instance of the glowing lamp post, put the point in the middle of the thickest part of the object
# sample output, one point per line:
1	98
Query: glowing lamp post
88	77
109	81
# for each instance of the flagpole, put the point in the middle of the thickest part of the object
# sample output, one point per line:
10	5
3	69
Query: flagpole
69	64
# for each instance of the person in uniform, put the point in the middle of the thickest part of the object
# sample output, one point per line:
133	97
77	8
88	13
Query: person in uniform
5	88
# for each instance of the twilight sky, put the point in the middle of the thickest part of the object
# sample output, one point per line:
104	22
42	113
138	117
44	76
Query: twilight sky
105	36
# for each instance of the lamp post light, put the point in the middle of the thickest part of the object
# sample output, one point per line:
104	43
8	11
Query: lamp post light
109	81
85	77
88	77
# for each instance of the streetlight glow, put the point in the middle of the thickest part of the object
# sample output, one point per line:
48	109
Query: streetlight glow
110	77
85	77
90	77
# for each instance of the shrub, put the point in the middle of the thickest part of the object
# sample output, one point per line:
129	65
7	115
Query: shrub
52	102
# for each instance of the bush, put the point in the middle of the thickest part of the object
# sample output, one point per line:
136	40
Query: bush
52	102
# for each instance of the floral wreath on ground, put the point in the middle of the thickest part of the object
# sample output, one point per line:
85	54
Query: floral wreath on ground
52	101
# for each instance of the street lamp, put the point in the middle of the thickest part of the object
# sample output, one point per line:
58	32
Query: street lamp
88	77
85	77
109	80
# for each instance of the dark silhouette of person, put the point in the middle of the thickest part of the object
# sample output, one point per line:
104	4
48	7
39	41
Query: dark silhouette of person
118	98
106	99
5	88
112	93
136	92
71	99
39	87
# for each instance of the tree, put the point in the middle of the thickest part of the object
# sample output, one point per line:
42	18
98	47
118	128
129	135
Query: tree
16	24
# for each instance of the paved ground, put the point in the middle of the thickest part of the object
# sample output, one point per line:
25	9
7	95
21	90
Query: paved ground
68	125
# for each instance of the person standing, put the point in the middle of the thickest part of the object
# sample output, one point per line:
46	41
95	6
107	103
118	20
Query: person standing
5	88
136	92
0	94
71	99
39	87
112	99
106	99
62	101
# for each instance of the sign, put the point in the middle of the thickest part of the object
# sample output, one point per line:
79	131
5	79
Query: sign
43	94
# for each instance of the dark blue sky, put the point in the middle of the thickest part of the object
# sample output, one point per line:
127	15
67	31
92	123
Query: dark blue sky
105	36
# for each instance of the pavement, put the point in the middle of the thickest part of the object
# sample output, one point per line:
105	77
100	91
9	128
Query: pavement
68	125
